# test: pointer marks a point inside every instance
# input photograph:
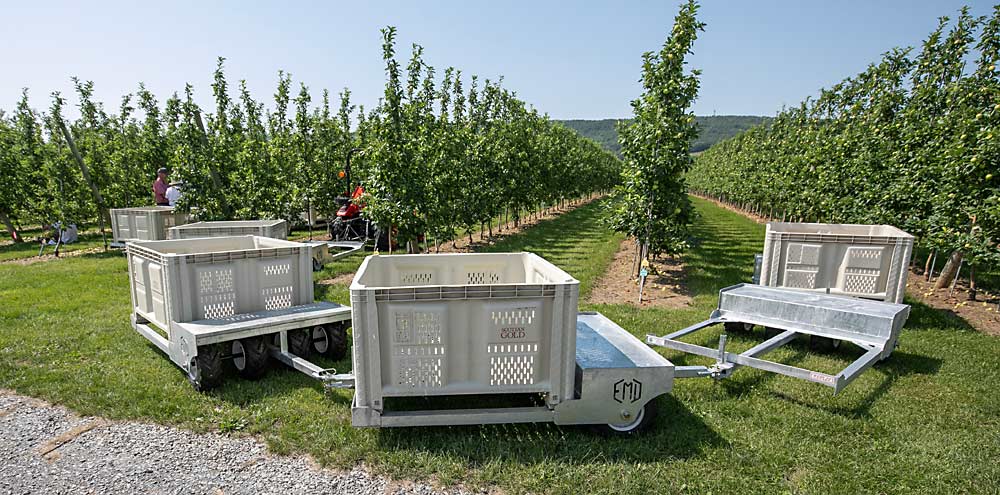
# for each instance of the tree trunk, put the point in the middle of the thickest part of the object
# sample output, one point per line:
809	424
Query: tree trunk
949	271
927	265
972	282
10	227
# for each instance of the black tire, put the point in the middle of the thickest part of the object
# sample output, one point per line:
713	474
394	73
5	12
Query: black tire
317	265
770	332
299	342
338	341
637	425
250	357
737	327
823	344
207	372
330	340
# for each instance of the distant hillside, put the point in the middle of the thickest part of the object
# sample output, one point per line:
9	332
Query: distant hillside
713	130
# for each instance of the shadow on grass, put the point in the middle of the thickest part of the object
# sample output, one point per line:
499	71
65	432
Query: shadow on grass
897	366
677	433
110	253
924	317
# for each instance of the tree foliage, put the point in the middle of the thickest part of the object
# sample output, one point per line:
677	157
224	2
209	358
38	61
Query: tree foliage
435	159
912	141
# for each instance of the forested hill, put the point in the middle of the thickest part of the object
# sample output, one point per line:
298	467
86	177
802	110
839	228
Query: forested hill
713	129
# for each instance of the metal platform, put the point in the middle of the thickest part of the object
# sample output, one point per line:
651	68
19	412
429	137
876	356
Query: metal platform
183	339
873	326
247	325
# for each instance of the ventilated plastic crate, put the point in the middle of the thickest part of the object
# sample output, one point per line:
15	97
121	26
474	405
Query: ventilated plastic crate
275	229
867	261
449	324
145	223
217	277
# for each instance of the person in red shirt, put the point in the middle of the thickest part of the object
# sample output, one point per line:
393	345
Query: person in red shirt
160	188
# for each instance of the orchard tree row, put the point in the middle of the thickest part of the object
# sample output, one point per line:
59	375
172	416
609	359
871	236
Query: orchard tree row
913	141
438	155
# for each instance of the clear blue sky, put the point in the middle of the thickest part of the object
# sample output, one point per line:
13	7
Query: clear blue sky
570	59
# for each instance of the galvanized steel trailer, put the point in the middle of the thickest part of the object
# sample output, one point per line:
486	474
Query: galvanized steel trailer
874	326
209	300
616	379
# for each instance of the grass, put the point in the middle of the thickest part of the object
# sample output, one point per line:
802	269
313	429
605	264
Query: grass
925	421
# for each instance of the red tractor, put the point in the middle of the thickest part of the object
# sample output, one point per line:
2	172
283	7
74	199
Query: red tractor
350	224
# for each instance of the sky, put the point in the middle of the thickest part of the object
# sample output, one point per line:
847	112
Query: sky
572	60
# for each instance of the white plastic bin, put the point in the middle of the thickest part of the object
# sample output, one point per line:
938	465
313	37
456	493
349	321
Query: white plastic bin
444	324
868	261
217	277
275	229
145	223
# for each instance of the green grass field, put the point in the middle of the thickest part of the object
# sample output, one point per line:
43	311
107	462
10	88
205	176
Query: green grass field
925	421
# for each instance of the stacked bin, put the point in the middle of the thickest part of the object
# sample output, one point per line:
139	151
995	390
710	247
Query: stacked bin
869	261
146	223
453	324
275	229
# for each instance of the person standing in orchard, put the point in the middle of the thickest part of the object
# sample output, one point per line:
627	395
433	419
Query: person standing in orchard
160	188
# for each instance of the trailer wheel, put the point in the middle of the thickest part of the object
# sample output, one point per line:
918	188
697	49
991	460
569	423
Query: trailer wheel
823	344
641	421
737	327
207	370
320	339
299	342
338	341
250	357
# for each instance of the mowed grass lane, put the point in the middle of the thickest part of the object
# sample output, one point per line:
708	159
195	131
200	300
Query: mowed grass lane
924	421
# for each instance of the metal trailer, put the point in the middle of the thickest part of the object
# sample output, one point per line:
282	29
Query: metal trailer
321	251
208	300
275	229
616	378
874	326
144	223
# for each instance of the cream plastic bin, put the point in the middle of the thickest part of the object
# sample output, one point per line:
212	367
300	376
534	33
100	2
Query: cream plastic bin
275	229
445	324
218	277
868	261
146	223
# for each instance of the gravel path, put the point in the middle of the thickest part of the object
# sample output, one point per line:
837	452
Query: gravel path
48	449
